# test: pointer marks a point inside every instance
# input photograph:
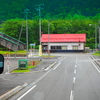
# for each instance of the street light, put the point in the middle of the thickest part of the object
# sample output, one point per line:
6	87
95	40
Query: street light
95	35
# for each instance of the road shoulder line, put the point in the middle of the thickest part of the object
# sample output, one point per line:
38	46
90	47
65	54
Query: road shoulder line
94	65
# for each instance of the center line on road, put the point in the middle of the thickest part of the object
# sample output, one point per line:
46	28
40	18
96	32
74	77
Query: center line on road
75	66
26	92
72	95
74	71
74	79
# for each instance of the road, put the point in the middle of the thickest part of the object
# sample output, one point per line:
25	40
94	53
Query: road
74	77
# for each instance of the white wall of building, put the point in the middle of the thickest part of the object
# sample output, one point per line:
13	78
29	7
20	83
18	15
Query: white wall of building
69	45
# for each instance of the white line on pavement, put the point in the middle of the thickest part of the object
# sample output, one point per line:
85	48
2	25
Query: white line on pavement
74	79
26	92
94	65
57	66
60	60
74	71
72	95
49	66
60	57
75	66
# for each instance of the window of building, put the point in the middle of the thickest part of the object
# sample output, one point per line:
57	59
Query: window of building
64	47
53	47
75	47
59	47
56	47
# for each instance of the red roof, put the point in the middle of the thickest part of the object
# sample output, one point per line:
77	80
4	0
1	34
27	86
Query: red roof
63	38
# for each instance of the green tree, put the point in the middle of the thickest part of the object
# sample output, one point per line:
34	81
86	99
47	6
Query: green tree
61	26
12	27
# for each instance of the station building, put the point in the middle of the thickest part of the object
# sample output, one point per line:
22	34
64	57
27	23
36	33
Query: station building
63	42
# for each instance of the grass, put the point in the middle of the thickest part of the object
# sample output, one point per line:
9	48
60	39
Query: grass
47	56
28	69
20	71
97	53
13	52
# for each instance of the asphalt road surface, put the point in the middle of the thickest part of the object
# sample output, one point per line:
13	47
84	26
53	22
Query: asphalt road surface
74	77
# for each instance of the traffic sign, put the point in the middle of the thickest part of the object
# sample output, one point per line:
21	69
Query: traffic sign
32	44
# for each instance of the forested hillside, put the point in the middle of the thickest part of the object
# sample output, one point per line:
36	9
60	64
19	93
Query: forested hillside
52	8
64	16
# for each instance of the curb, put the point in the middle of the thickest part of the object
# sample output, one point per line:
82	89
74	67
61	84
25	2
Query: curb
12	92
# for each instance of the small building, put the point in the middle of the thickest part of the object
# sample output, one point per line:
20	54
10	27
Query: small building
63	42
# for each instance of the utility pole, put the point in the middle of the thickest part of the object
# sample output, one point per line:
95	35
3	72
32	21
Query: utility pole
99	38
48	39
39	9
26	11
95	37
96	26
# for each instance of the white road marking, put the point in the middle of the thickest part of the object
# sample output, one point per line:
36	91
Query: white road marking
74	71
49	66
26	92
64	57
60	57
75	66
74	79
72	95
94	65
57	66
61	60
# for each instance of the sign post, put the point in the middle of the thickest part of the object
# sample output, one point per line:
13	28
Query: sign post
40	50
31	51
8	63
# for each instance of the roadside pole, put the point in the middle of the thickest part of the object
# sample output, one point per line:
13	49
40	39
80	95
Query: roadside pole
32	46
8	63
